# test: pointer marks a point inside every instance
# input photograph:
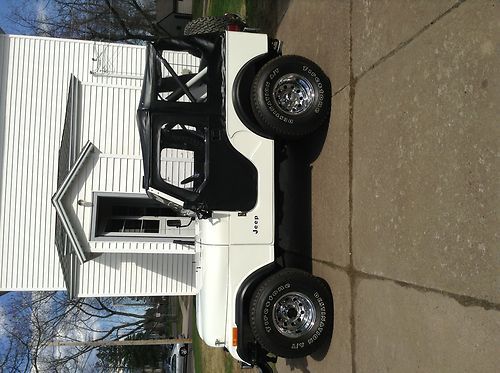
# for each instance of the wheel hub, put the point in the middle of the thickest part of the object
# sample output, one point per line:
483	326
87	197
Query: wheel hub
294	315
293	94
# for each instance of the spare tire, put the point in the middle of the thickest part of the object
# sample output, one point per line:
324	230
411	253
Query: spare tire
291	97
206	25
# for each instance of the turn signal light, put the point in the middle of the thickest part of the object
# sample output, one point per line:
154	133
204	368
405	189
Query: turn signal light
235	337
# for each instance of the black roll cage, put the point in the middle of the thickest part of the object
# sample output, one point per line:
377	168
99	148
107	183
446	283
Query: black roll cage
230	180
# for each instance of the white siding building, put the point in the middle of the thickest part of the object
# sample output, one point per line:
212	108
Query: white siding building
69	144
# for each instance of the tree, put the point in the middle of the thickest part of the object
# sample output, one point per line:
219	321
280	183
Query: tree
37	320
109	20
130	356
35	325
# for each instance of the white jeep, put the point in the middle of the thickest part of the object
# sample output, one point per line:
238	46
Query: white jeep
243	103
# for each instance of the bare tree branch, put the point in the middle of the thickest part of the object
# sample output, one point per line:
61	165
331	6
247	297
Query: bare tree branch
124	20
42	318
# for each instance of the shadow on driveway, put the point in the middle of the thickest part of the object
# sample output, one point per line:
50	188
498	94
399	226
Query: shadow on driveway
294	205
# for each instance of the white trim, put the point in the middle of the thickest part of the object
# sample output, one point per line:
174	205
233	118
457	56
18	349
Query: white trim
110	85
138	294
79	41
120	156
116	75
138	157
166	196
59	206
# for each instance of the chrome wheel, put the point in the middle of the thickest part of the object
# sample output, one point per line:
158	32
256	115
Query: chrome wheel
293	94
294	315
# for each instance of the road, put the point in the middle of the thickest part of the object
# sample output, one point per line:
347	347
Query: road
405	203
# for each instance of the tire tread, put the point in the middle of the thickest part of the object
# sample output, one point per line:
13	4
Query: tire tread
206	25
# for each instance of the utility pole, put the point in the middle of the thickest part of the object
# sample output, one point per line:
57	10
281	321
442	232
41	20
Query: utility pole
131	342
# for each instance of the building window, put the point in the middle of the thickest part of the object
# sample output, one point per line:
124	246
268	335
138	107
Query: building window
119	215
135	225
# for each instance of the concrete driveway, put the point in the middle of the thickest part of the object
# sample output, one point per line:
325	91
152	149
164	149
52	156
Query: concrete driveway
406	191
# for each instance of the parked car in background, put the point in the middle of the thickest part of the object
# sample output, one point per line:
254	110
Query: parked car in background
177	362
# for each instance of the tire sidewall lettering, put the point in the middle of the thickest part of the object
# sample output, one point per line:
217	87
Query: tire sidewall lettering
274	73
322	317
319	85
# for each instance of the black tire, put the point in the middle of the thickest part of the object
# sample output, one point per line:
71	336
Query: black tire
206	25
183	351
309	303
306	77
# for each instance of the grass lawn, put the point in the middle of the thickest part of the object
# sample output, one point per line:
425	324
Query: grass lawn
197	348
209	359
218	7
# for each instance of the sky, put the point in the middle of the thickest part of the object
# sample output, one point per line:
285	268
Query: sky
2	313
68	330
6	24
4	317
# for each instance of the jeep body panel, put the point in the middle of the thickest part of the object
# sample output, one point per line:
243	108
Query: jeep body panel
235	198
249	236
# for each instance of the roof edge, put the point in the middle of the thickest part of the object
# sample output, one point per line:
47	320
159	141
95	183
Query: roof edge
57	198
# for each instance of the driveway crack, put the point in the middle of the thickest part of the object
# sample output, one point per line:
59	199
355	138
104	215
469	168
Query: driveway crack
464	300
352	279
408	41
